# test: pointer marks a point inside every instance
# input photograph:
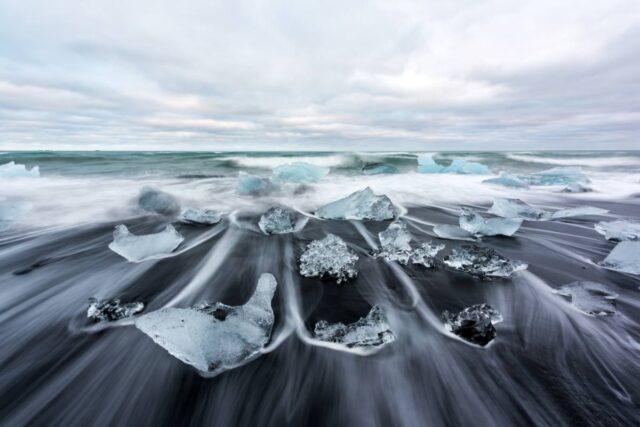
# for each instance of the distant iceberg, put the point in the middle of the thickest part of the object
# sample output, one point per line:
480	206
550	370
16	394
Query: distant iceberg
160	202
379	169
140	248
362	205
426	164
329	258
14	170
472	222
370	331
253	185
625	257
299	172
619	230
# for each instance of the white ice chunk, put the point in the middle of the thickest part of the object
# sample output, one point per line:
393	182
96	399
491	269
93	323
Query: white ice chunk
111	310
359	205
516	208
471	221
215	337
463	167
619	230
625	257
195	216
154	200
140	248
453	232
253	185
507	180
370	331
277	220
590	297
299	172
482	262
14	170
395	244
329	257
579	211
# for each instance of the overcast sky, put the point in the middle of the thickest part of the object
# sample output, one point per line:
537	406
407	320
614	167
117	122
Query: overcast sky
379	75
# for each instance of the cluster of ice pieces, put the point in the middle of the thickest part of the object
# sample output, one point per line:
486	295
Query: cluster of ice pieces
370	331
395	244
571	177
482	262
625	257
590	297
194	216
516	208
14	170
474	323
299	172
472	222
214	337
156	201
426	164
277	220
110	310
329	258
139	248
619	230
362	205
379	169
253	185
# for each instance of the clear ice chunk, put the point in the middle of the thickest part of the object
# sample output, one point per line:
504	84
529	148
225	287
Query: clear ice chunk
299	172
463	167
194	216
625	257
474	323
277	220
426	164
557	176
379	169
110	310
619	230
329	258
425	254
396	237
14	170
361	205
253	185
471	221
482	262
579	211
453	232
370	331
516	208
140	248
590	297
214	337
395	244
160	202
507	180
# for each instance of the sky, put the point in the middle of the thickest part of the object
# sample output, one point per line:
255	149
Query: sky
319	75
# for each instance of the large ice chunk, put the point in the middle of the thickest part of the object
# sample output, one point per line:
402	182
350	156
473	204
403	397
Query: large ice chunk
461	166
516	208
395	244
557	176
370	331
329	258
110	310
253	185
379	169
590	297
578	211
194	216
619	230
299	172
482	262
474	323
153	200
426	164
359	205
625	257
453	232
277	220
507	180
214	337
140	248
471	221
14	170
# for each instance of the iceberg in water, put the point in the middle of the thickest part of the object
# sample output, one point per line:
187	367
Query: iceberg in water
359	205
253	185
214	337
379	169
474	324
619	230
395	244
516	208
590	297
160	202
507	180
426	164
329	258
482	262
625	257
277	220
139	248
557	176
299	172
370	331
463	167
453	232
200	216
471	221
579	211
110	310
14	170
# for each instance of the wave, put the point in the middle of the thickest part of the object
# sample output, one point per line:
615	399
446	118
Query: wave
596	161
269	162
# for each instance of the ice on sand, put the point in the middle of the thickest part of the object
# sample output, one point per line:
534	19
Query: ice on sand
453	232
139	248
471	221
507	180
361	205
578	211
425	254
395	244
14	170
214	337
194	216
154	200
253	185
516	208
426	164
482	262
379	169
277	220
463	167
329	258
474	323
619	230
590	297
625	257
299	172
110	310
370	331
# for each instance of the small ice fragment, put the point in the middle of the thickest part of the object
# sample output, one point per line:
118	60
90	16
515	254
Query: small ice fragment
579	211
14	170
329	257
471	221
379	169
214	337
359	205
276	220
425	254
482	262
516	208
461	166
140	248
576	187
253	185
619	230
200	216
426	164
474	323
154	200
590	297
453	232
625	257
395	244
110	310
299	172
557	176
507	180
370	331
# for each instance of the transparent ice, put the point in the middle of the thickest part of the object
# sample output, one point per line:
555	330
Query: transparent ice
463	167
619	230
299	172
277	220
195	216
625	257
453	232
362	204
426	164
516	208
471	221
474	323
157	201
139	248
329	258
253	185
110	310
14	170
370	331
590	297
482	262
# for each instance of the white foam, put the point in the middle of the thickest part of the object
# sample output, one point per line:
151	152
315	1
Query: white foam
270	162
577	161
